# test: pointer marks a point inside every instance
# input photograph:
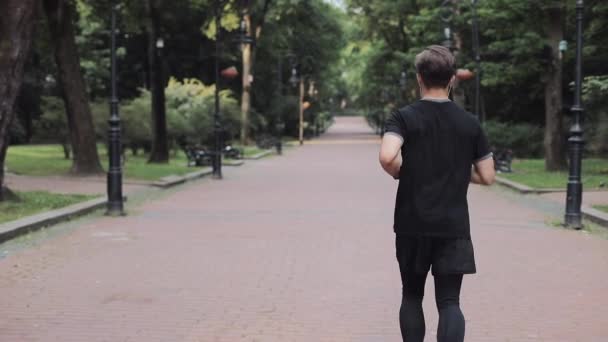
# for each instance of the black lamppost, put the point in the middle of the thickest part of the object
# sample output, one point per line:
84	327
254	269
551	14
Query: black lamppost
446	15
576	142
295	79
217	155
477	60
115	206
280	124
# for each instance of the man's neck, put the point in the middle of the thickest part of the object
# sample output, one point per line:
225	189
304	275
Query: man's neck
435	94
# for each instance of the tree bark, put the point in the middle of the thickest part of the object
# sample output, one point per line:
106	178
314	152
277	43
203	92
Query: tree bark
555	158
248	63
246	94
458	94
160	143
60	15
15	42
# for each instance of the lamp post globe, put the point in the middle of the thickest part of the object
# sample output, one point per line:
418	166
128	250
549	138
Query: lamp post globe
446	14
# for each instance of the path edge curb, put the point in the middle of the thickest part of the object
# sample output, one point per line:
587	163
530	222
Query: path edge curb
593	215
260	155
31	223
173	180
524	189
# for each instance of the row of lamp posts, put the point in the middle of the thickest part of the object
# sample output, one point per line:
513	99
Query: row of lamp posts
576	142
115	205
573	217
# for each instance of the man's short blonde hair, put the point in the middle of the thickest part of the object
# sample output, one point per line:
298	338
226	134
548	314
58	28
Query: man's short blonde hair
436	66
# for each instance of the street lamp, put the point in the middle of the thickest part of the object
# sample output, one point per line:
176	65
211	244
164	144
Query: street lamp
280	124
576	142
115	205
477	60
217	155
243	39
296	79
446	13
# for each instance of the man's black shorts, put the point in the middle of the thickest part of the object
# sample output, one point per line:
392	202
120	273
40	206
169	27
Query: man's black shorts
445	255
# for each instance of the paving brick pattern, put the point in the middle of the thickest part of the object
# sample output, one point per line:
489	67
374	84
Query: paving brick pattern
295	248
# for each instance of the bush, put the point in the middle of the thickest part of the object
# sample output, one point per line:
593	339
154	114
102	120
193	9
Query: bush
190	110
526	140
190	107
595	97
375	118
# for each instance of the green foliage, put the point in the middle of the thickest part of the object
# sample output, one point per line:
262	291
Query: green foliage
190	109
383	35
52	125
526	140
595	96
312	32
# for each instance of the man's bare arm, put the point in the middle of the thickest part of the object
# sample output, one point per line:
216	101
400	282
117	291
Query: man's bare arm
390	154
483	172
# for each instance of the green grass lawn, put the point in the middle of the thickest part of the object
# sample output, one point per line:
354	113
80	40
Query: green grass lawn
36	202
603	208
47	160
531	172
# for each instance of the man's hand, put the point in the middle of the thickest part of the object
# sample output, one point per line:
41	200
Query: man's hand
390	154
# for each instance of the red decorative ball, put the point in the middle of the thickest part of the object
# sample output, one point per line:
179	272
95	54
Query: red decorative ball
229	72
464	74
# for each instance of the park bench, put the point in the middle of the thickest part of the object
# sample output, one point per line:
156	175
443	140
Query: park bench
503	157
200	156
197	155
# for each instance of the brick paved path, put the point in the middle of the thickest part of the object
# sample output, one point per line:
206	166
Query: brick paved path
294	248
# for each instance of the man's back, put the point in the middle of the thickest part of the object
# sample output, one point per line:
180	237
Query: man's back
441	142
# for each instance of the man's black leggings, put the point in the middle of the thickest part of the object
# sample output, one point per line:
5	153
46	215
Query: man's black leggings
447	297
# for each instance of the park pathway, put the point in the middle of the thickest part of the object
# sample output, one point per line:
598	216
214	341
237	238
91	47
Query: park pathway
295	248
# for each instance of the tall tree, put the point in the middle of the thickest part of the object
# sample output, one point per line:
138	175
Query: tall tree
160	143
555	156
15	42
60	15
254	18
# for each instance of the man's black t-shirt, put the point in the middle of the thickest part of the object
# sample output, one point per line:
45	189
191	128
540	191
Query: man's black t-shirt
441	142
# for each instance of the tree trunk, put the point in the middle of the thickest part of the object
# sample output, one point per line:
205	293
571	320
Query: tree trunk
458	94
160	143
248	63
60	15
555	158
246	94
15	42
301	119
